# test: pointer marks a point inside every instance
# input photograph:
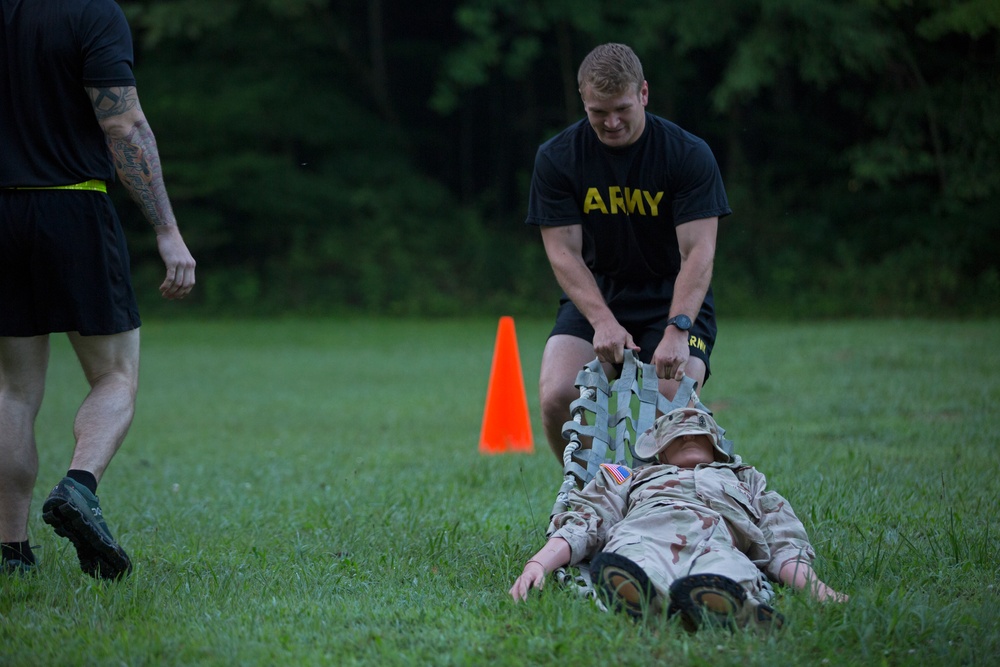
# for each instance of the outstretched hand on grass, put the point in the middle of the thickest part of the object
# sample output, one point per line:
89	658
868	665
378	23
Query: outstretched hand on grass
801	576
555	553
533	576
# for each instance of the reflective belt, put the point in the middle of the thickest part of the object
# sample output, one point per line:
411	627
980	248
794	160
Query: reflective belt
93	184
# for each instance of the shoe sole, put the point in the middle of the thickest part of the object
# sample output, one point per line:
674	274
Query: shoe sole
717	601
707	599
624	584
99	557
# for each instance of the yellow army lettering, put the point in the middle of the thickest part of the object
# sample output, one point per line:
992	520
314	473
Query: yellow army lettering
633	201
698	343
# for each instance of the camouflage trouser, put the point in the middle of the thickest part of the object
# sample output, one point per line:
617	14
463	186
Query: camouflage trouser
681	542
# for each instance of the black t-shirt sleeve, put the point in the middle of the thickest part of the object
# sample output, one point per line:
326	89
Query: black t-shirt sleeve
552	201
107	47
698	191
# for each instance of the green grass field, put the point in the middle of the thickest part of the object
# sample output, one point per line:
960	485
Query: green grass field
311	493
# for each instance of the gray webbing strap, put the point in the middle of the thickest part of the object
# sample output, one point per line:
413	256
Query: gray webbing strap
637	400
636	380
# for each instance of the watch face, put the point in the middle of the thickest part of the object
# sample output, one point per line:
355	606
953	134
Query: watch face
682	322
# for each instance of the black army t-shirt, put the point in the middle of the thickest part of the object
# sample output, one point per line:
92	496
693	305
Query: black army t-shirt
628	200
50	50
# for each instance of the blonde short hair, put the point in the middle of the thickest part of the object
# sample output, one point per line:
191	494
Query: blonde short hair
610	69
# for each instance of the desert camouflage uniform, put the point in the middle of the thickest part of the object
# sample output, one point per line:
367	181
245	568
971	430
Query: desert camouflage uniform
717	518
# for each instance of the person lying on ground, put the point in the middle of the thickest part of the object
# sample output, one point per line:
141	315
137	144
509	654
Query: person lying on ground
696	533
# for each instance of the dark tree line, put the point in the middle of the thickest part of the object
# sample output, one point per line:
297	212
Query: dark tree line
339	155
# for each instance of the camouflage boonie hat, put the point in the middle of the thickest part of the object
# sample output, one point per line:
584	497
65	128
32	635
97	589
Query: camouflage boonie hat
674	424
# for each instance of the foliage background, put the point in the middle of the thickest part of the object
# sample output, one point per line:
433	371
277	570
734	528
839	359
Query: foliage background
332	156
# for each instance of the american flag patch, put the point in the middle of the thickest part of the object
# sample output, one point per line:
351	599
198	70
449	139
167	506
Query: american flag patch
619	473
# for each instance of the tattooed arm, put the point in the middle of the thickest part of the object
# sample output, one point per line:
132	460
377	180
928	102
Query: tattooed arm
137	162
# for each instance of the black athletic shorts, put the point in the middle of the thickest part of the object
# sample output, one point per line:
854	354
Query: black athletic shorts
644	312
64	265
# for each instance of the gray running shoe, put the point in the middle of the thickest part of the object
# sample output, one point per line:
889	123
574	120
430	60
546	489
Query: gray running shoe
716	601
75	513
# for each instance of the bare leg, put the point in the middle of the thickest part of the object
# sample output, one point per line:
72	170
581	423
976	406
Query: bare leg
111	365
23	362
562	360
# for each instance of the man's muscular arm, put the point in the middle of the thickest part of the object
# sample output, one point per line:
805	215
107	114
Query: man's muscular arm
137	162
133	150
696	240
564	248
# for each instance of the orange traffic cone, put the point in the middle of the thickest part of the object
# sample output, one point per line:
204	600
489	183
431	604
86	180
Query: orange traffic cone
506	426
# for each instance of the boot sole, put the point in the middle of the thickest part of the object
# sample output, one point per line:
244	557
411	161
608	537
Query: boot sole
624	584
717	601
